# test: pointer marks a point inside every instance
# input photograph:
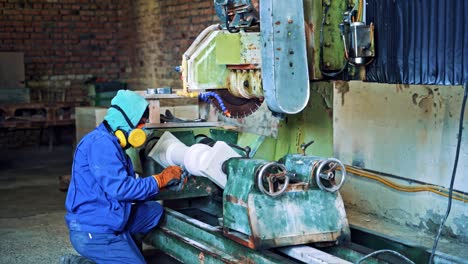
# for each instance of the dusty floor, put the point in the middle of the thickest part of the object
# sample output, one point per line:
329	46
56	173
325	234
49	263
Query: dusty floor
32	228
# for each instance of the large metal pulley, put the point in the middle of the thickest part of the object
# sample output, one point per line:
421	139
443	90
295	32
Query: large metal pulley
272	179
326	174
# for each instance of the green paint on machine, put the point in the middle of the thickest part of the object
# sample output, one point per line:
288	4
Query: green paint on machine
302	214
192	241
228	48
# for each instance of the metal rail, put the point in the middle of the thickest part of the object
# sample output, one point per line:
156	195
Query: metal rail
193	241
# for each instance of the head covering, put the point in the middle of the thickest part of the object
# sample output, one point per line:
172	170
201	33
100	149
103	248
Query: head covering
133	104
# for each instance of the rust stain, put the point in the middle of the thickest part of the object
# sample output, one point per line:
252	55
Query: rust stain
255	4
309	31
251	47
203	250
343	88
309	34
427	102
399	87
243	67
422	137
327	237
201	257
297	187
235	200
247	243
415	97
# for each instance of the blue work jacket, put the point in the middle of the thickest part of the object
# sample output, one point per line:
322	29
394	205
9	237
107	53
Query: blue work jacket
103	185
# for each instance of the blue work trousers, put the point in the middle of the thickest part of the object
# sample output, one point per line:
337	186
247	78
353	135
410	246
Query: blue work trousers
119	247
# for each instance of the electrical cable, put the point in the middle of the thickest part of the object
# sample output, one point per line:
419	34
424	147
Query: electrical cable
345	66
384	251
420	188
454	172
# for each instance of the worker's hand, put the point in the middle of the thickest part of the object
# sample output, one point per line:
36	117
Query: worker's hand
170	175
178	186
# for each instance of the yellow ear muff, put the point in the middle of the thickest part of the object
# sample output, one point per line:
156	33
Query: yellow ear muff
137	137
121	137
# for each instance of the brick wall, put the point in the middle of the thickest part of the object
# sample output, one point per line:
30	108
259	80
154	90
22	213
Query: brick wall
64	41
156	35
68	41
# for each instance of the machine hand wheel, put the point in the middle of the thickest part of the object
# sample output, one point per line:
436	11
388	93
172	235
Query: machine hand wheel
326	173
274	175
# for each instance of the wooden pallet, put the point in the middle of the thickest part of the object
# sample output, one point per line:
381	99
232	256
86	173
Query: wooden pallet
52	116
57	114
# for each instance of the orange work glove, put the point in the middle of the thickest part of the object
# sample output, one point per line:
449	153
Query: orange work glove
171	173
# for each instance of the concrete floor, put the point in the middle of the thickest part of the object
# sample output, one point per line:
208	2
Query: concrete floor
32	227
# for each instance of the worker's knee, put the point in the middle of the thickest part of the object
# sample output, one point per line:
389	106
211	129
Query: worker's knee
155	206
144	217
152	210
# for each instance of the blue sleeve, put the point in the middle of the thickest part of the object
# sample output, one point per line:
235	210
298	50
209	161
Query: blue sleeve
108	167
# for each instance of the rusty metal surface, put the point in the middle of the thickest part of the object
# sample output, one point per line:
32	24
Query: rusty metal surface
245	83
250	48
297	187
313	16
237	106
261	122
235	200
332	47
204	250
298	240
244	240
295	217
242	67
192	241
285	73
239	49
293	220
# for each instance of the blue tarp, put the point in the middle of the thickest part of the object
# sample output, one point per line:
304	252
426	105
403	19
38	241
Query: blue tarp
419	41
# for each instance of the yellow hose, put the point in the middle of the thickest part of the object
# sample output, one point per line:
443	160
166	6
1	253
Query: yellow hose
420	188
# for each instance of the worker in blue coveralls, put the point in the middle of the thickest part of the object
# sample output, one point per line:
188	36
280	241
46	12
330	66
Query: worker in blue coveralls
106	204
